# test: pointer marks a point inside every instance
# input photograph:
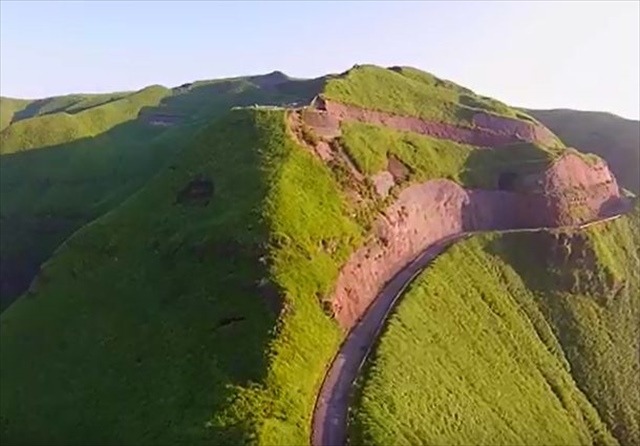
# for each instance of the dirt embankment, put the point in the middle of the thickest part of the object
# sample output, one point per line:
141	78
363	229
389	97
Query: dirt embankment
571	192
487	131
577	190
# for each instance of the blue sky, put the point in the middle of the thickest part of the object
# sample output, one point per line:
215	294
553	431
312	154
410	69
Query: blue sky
583	55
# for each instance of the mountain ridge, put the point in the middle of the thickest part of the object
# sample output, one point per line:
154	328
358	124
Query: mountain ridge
208	284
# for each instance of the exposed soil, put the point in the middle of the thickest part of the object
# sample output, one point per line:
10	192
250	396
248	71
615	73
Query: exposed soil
487	131
572	192
422	214
383	182
397	168
329	425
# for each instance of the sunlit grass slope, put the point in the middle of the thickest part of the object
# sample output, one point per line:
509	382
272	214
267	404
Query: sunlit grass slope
408	91
59	128
426	158
56	174
164	322
513	339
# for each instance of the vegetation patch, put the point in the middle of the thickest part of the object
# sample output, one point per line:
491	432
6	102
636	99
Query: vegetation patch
411	92
371	147
70	159
149	306
514	348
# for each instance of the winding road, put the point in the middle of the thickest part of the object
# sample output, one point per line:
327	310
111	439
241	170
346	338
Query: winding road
329	423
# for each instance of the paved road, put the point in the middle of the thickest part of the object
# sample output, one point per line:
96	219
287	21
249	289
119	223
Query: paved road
329	425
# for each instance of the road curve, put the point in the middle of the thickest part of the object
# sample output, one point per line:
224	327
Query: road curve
329	421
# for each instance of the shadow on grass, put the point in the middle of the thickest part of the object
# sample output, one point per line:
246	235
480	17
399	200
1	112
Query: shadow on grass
47	194
149	317
50	192
484	167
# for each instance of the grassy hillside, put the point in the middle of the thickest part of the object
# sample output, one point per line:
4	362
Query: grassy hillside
371	146
615	139
183	302
59	128
176	311
100	149
534	341
8	108
407	91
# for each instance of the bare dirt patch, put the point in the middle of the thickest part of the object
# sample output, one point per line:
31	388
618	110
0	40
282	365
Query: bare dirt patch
488	131
571	192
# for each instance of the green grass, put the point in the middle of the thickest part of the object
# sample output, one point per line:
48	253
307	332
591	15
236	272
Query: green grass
370	147
534	340
59	128
48	194
8	108
408	91
161	323
45	195
124	318
71	103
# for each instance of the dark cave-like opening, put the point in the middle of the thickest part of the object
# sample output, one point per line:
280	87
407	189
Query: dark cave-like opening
507	181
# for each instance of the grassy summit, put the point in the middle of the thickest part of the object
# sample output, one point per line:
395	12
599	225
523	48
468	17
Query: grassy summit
533	341
411	92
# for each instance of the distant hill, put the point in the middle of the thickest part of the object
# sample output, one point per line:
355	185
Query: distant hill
615	139
198	259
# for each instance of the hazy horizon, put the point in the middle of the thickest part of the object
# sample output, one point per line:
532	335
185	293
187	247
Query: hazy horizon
543	55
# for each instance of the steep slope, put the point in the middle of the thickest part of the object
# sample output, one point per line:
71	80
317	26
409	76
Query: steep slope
211	301
177	304
611	137
409	92
533	341
98	149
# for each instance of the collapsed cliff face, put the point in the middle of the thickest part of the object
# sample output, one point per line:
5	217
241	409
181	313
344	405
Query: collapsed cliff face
422	215
571	191
579	191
